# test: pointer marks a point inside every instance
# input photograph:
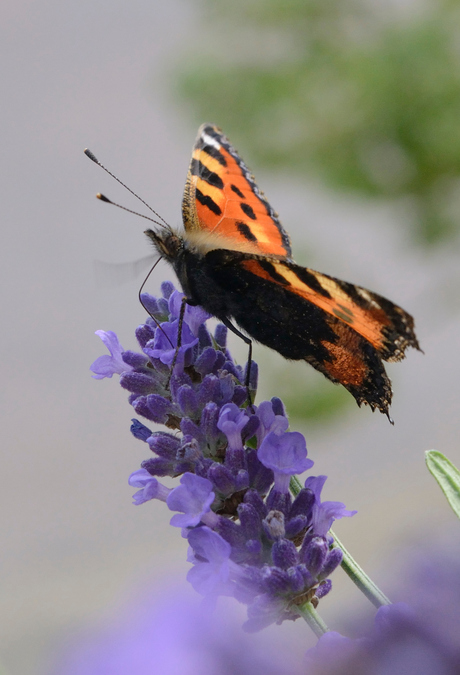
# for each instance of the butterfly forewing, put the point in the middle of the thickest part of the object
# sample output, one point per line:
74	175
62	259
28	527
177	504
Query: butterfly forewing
222	198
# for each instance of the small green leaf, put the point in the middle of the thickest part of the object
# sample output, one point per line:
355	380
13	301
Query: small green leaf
447	475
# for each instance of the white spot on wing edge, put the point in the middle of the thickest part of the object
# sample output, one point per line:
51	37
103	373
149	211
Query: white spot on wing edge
364	294
209	140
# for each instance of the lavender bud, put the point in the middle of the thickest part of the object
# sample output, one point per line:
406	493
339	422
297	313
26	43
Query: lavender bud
220	335
323	589
333	560
284	554
250	520
164	444
314	555
278	406
139	430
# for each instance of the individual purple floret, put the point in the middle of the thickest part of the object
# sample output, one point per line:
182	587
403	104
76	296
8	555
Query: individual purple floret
192	498
164	345
324	513
106	366
248	537
211	577
286	455
150	487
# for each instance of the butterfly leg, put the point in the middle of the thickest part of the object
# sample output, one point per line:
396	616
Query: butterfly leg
179	335
248	341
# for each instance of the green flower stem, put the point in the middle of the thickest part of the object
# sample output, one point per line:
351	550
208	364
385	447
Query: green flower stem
350	566
295	485
311	616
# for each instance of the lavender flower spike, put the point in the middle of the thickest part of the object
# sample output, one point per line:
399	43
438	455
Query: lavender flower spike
248	537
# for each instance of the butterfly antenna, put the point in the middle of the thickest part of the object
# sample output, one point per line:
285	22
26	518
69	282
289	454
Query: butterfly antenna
93	158
105	199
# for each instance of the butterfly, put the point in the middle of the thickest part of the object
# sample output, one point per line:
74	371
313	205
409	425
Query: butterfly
235	260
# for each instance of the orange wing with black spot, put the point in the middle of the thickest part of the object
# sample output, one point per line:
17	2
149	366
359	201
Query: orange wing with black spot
221	199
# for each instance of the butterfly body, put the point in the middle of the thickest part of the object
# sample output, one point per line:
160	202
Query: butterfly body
234	260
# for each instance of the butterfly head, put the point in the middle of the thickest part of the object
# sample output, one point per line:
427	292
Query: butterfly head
167	243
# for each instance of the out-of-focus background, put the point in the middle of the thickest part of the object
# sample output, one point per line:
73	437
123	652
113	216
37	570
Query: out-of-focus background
349	114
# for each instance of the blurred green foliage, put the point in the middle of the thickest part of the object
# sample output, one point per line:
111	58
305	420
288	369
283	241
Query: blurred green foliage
362	96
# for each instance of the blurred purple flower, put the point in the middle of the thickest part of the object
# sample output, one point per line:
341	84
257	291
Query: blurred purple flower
174	634
210	554
416	637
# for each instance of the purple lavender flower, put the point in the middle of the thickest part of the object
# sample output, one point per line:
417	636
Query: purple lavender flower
194	317
150	487
286	455
248	538
164	345
324	513
210	574
272	418
232	421
193	497
106	366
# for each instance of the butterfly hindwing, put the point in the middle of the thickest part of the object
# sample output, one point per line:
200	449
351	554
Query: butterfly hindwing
340	329
387	327
221	198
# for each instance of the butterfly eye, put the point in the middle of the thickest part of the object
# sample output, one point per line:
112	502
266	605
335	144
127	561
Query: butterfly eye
167	245
172	243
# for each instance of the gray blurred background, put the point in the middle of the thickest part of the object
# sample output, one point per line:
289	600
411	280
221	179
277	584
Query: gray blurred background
351	125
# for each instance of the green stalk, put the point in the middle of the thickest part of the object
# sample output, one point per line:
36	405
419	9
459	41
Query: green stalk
311	616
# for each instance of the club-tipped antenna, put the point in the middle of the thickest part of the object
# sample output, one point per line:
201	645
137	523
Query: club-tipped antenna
93	158
105	199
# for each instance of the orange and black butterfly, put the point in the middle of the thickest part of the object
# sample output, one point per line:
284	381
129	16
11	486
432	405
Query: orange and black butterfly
234	260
